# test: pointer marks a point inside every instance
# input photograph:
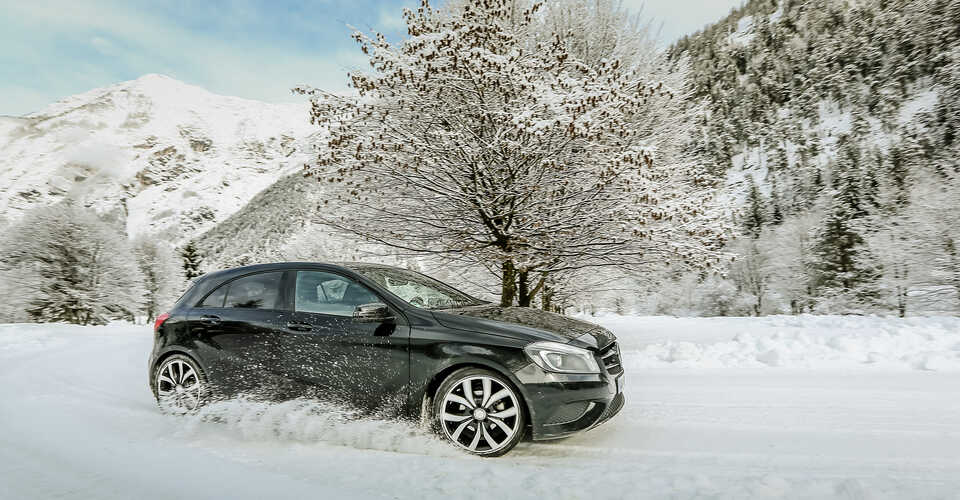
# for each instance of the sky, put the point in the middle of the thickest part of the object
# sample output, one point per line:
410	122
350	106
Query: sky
256	49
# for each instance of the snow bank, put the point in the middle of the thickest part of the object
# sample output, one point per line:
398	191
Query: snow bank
834	342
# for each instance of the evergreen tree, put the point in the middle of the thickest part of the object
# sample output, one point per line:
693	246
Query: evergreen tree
756	216
776	212
841	257
191	261
842	263
897	173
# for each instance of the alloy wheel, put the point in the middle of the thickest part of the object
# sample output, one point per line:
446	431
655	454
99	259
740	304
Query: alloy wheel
480	414
179	385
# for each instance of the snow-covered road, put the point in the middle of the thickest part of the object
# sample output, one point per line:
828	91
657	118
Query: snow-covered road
732	408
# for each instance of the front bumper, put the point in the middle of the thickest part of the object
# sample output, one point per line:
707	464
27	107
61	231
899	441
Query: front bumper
561	405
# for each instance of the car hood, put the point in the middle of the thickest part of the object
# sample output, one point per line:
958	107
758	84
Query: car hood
525	323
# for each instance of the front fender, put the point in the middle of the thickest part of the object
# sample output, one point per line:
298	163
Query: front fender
431	362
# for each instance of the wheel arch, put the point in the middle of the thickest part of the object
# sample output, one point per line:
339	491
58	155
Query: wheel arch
434	384
166	353
176	350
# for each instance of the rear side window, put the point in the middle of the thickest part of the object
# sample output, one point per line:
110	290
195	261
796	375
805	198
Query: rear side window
259	291
215	299
187	294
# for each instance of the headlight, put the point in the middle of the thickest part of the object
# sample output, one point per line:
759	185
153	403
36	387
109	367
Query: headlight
562	358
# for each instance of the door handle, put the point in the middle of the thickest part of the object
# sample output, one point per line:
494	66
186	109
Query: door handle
210	319
299	327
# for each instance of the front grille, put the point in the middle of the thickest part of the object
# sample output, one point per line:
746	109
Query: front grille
610	357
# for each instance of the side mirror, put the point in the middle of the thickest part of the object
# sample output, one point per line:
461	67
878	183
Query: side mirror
375	312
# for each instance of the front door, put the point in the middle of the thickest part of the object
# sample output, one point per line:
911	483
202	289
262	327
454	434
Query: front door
363	364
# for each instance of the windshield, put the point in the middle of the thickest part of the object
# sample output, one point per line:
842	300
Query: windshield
417	289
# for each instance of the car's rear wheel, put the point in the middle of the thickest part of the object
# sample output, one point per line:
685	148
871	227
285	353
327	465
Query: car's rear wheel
180	385
479	411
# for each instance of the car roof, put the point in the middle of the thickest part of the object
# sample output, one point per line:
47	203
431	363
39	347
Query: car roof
274	266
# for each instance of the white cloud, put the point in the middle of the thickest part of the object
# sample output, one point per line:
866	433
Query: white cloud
103	46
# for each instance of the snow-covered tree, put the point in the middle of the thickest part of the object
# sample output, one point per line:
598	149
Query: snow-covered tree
790	247
483	138
163	277
751	273
892	248
72	266
931	247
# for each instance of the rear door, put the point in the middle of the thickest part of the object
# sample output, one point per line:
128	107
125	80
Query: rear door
244	321
366	364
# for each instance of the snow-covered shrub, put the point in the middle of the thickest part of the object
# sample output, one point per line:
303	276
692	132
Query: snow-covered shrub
66	264
719	297
13	305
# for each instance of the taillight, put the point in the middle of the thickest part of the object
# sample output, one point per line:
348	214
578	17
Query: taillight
160	319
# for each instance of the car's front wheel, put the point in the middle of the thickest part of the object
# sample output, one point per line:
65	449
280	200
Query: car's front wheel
180	385
479	411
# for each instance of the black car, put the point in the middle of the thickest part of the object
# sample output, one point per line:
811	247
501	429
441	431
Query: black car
387	340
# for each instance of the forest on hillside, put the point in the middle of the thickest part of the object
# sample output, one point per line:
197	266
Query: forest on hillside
836	124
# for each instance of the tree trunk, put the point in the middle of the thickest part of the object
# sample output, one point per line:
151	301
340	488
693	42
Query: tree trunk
547	299
523	294
953	266
902	301
509	282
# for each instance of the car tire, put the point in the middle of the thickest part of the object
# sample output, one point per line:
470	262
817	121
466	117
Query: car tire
179	385
479	411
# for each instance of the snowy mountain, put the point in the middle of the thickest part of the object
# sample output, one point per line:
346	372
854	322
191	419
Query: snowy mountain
154	153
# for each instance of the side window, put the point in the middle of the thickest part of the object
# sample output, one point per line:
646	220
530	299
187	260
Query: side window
328	293
258	291
215	299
